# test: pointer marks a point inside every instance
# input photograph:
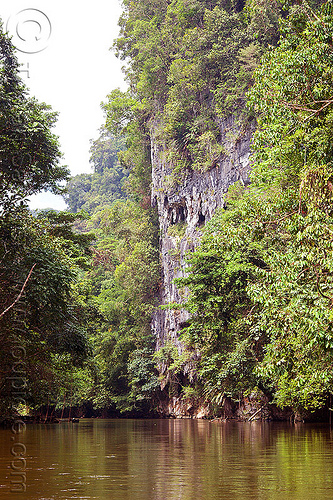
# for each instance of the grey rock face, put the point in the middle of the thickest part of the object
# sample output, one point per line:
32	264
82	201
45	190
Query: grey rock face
183	209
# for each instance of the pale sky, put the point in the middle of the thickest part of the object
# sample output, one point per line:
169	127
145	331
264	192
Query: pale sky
73	72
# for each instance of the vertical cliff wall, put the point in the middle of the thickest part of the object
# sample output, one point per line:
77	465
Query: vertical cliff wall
183	209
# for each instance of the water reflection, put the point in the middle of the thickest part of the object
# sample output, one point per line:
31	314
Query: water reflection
173	459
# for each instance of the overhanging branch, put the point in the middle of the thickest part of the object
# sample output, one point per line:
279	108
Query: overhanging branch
20	294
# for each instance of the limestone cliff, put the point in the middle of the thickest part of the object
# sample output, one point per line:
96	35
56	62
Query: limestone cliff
183	209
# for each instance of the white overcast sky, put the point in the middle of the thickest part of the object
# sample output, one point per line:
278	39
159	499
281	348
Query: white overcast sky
74	72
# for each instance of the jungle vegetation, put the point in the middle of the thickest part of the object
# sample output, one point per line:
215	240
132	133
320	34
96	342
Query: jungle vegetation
82	285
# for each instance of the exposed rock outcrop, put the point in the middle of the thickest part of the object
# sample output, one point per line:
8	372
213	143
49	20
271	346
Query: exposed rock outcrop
183	209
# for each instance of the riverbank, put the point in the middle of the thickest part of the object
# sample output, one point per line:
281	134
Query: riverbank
247	409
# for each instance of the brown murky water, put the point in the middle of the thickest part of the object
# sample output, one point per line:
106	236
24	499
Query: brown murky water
167	460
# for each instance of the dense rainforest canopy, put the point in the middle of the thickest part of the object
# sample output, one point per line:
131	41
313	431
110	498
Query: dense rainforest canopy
260	282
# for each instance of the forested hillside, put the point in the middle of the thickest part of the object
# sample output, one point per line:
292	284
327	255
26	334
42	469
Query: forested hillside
260	282
257	284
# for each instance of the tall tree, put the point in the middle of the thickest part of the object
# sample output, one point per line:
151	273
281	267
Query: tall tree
39	256
108	182
29	151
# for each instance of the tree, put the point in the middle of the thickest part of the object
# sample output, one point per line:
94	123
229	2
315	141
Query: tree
29	152
293	149
43	254
92	191
124	280
261	283
40	255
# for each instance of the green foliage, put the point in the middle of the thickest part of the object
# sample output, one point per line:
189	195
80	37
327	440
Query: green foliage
118	293
171	362
39	264
189	65
29	152
218	275
125	279
104	151
117	297
261	281
91	191
177	230
40	255
293	97
126	117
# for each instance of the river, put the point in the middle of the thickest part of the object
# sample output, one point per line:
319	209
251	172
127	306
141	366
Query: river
167	460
